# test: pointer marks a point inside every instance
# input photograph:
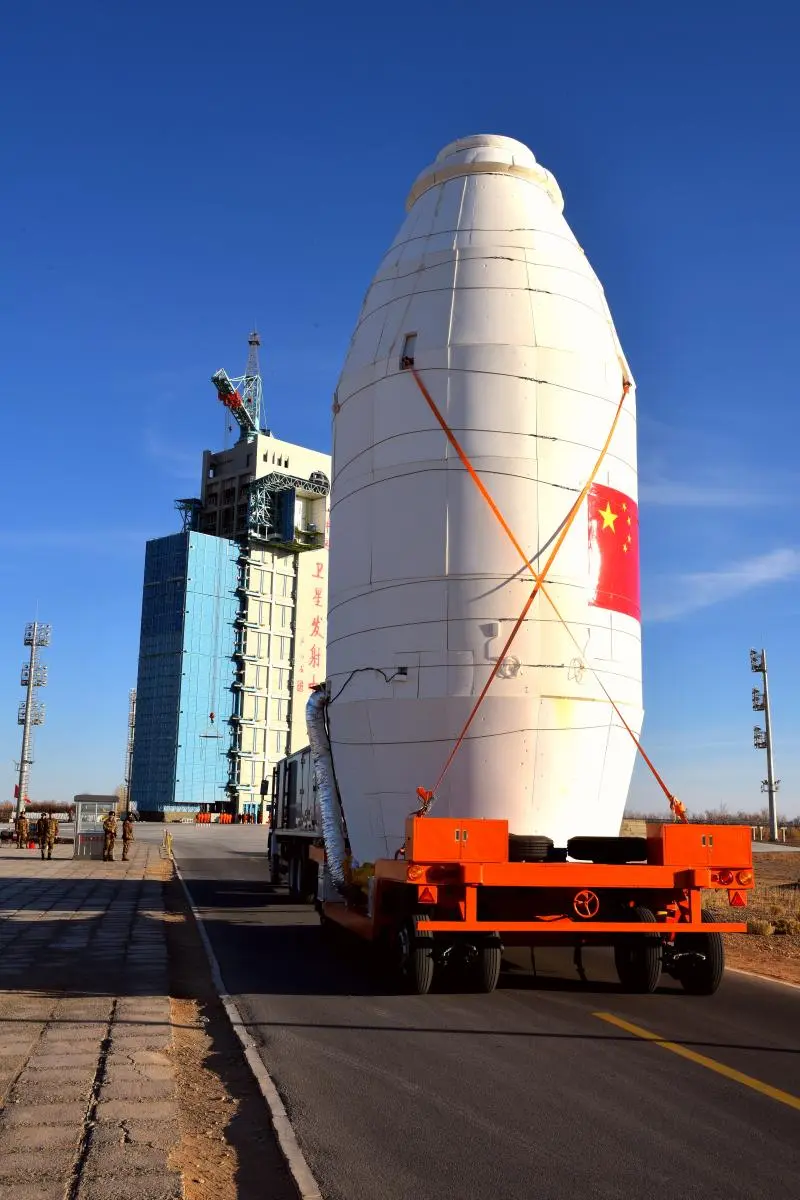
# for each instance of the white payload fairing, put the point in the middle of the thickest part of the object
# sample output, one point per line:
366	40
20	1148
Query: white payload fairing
487	293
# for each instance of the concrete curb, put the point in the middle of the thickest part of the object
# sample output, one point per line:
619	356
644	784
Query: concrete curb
301	1173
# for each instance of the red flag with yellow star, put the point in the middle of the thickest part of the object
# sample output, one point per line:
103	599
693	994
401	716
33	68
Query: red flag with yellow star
614	551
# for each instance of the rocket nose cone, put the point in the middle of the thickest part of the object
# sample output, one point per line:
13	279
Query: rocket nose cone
485	153
487	147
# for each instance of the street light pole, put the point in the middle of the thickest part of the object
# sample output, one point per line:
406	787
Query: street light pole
31	711
762	739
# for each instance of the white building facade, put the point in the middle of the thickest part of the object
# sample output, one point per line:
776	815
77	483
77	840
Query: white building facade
272	497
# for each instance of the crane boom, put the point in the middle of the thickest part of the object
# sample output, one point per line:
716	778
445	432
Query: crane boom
242	395
232	400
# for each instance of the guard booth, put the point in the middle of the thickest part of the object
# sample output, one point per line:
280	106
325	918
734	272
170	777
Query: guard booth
90	812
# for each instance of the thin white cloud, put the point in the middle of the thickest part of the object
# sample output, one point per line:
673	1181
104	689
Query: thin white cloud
671	493
690	467
688	593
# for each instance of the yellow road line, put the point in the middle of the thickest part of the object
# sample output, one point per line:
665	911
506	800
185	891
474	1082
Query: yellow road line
711	1064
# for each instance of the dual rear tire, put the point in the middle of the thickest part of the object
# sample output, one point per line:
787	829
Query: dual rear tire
415	963
701	972
637	956
415	960
697	960
302	880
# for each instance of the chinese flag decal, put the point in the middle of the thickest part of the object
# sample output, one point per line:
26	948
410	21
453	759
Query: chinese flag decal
614	551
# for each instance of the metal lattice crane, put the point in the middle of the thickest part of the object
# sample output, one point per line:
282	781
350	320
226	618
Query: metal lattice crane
242	395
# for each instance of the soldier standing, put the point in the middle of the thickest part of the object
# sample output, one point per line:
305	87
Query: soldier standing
41	833
21	825
109	836
127	836
51	833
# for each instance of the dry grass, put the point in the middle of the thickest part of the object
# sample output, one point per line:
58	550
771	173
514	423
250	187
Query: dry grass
760	928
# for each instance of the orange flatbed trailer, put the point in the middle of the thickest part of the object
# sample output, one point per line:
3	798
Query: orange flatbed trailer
455	898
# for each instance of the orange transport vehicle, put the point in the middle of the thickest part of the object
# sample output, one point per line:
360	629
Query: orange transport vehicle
462	890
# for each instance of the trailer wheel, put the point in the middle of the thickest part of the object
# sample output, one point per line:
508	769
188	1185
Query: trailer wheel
414	956
483	971
701	976
637	956
524	847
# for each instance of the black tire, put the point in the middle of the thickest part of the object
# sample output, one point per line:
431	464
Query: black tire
307	881
637	956
523	847
326	927
701	978
414	957
483	971
293	879
613	851
301	889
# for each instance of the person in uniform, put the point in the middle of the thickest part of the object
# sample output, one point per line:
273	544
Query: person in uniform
109	836
41	833
21	826
50	835
127	836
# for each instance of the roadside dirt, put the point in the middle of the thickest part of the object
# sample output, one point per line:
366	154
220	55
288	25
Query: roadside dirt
228	1149
777	957
775	900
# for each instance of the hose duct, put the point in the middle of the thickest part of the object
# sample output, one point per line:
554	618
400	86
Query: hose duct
327	796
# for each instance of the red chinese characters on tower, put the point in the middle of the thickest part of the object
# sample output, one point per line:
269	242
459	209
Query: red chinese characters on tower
614	551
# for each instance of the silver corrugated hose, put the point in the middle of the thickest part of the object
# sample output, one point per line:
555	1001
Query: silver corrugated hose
329	807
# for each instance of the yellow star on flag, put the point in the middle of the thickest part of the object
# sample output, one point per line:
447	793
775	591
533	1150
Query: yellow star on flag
609	517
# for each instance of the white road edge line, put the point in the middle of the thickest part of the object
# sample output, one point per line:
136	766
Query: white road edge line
763	978
300	1171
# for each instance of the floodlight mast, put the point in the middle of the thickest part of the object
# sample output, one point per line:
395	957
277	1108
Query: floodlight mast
762	738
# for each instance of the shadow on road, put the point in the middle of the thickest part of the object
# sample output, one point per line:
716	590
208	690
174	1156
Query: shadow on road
288	955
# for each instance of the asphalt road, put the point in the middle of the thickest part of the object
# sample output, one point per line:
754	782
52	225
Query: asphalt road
524	1093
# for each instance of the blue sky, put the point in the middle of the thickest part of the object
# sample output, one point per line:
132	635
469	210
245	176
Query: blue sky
175	172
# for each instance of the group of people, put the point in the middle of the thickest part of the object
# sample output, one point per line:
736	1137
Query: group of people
46	833
110	836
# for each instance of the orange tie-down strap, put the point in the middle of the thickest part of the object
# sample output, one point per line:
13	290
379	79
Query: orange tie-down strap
426	795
